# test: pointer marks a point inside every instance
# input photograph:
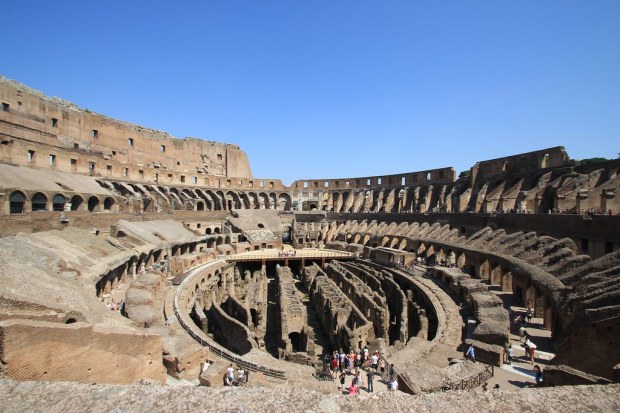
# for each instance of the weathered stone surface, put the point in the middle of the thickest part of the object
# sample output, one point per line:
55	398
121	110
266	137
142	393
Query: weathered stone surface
69	397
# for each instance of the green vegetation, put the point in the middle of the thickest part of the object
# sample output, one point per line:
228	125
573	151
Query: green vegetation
465	174
593	160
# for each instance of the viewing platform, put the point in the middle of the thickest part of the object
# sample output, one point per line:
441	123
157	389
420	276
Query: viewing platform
291	255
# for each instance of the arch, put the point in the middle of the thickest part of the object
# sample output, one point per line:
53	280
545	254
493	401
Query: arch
208	231
17	200
93	202
200	206
263	200
336	201
58	202
232	200
393	242
254	203
245	200
219	241
108	203
273	201
76	202
284	202
39	202
421	248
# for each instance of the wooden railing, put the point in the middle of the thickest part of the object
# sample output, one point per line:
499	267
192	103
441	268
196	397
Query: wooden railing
472	381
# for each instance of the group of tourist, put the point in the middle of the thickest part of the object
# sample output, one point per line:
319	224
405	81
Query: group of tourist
287	253
574	211
235	377
114	306
343	365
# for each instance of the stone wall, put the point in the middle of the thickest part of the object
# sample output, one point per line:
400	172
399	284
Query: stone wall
32	119
38	350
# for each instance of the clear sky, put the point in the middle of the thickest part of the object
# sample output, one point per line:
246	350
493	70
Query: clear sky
335	89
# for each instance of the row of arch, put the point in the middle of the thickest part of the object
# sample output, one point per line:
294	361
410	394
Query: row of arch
155	198
421	198
20	202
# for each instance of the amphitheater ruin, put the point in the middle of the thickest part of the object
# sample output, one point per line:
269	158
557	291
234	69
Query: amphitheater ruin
130	256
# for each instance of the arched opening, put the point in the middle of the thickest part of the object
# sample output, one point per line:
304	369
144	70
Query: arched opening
70	320
39	202
208	231
58	202
16	202
108	203
200	206
76	202
93	202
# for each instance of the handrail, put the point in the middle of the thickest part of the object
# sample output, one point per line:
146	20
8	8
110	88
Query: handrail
472	381
238	257
212	345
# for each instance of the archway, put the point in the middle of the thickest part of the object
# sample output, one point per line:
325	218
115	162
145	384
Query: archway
76	202
108	203
39	202
58	202
16	202
93	202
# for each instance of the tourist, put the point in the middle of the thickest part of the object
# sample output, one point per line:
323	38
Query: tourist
230	373
342	377
205	366
393	385
529	315
522	333
240	376
352	390
537	375
374	359
496	387
509	354
382	366
530	348
392	372
484	386
471	354
370	374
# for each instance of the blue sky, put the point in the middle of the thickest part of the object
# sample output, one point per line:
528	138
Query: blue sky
335	89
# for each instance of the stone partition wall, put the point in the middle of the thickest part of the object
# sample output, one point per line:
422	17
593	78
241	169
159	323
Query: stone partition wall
372	304
346	326
80	352
296	336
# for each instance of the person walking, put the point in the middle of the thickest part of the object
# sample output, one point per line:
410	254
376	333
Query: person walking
471	354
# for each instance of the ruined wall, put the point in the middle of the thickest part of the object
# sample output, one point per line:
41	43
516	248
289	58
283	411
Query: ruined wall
369	302
349	329
51	126
37	350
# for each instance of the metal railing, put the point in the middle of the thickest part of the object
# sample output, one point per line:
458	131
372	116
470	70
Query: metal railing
197	334
276	256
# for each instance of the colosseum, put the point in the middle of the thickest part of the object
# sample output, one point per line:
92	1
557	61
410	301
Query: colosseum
137	269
